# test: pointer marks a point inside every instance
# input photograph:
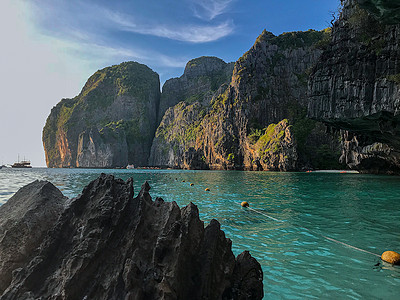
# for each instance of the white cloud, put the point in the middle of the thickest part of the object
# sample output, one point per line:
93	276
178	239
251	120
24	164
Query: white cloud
209	9
186	33
38	70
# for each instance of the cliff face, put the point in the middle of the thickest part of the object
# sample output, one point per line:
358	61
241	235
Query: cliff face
111	123
108	245
355	86
188	98
387	11
268	85
201	78
216	115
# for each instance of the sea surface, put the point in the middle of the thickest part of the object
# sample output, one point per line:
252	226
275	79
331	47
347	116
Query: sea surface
293	215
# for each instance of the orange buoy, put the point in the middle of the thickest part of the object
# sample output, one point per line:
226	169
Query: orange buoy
207	189
191	184
391	257
244	204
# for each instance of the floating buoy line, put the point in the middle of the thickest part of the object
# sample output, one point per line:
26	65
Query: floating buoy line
388	256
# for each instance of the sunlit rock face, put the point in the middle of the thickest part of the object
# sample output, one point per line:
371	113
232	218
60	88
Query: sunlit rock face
111	123
227	128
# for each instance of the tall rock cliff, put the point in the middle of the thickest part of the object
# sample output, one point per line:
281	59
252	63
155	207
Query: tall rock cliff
355	86
111	123
184	101
200	80
255	122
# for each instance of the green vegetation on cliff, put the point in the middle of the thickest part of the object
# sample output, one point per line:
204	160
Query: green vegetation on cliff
270	141
297	39
116	102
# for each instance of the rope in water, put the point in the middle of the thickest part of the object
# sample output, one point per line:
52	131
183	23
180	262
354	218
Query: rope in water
325	237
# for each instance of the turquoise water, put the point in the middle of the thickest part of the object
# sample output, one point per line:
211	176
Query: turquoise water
361	210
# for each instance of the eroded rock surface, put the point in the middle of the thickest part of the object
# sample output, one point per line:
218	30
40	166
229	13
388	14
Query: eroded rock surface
25	220
355	86
230	129
111	123
109	245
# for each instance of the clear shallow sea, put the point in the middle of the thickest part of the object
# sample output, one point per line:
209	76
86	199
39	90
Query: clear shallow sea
361	210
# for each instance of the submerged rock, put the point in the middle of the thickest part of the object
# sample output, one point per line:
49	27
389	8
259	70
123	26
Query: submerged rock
109	245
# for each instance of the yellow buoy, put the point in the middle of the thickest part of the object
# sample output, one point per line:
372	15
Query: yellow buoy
191	184
244	204
207	189
391	257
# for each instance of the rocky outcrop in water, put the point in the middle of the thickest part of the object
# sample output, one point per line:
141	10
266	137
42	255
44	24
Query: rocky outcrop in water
109	245
355	86
25	220
230	130
111	123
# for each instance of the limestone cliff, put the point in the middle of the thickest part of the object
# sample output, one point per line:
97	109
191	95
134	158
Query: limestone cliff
111	123
188	98
232	131
355	86
201	78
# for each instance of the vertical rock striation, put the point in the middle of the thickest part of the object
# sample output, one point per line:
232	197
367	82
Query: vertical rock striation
109	245
230	129
184	102
111	123
355	86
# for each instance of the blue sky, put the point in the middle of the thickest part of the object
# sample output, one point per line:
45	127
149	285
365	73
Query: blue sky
50	47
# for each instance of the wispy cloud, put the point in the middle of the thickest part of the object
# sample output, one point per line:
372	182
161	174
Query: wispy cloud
186	33
97	54
209	9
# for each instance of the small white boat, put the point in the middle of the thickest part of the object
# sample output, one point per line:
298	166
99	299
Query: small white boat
129	167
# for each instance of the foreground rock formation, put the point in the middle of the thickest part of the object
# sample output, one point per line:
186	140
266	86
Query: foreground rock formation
355	86
108	245
25	220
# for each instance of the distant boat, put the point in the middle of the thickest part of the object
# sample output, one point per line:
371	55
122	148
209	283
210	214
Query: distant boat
130	166
22	164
